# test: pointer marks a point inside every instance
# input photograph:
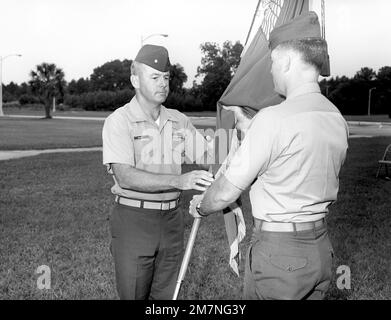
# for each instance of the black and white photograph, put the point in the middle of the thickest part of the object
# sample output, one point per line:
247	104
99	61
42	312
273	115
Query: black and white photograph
212	152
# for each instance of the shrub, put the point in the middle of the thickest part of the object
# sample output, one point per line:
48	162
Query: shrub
183	102
28	99
62	107
7	97
99	100
12	104
111	100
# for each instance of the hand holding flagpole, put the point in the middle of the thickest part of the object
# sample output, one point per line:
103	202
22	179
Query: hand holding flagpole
189	246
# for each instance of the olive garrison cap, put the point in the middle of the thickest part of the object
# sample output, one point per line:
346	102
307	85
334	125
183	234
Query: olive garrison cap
303	27
154	56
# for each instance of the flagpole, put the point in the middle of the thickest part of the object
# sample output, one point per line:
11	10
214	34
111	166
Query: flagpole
252	23
186	257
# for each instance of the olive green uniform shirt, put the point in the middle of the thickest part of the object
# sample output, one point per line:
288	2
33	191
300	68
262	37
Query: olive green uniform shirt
130	137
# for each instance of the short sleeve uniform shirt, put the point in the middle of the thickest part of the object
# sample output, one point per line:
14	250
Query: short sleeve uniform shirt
291	156
130	137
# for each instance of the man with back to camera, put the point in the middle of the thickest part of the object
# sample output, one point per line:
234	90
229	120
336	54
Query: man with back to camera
291	156
144	145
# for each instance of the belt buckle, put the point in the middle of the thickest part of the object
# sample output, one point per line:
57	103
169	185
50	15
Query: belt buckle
163	205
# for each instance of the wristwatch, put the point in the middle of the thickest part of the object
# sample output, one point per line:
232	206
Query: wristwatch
198	208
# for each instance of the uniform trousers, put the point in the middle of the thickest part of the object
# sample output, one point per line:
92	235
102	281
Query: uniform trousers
147	247
288	265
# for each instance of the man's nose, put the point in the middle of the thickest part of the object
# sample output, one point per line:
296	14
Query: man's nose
163	82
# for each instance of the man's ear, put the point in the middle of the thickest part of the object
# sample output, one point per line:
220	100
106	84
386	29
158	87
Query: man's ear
135	81
286	61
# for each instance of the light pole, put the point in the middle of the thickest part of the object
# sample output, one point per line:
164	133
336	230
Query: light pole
153	35
1	80
369	100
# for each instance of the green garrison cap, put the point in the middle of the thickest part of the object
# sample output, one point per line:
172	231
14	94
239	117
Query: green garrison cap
154	56
303	27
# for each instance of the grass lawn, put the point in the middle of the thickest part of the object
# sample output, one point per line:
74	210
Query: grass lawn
54	210
70	113
104	114
22	134
83	113
35	133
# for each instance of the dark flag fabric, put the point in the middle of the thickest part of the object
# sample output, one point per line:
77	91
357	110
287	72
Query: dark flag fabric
252	89
252	85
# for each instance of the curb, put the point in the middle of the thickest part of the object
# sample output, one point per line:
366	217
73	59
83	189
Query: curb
367	123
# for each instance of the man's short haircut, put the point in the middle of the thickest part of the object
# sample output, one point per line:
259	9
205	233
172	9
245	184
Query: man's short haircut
135	68
313	51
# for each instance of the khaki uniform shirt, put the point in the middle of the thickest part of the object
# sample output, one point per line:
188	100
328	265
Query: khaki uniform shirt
130	137
291	156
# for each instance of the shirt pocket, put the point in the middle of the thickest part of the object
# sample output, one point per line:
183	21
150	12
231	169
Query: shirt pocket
143	149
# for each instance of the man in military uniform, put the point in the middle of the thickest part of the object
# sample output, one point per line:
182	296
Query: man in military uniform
144	145
291	156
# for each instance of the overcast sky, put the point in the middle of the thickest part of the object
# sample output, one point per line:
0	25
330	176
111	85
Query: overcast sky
79	35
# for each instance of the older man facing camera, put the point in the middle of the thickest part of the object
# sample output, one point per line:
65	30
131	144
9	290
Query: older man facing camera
291	157
144	145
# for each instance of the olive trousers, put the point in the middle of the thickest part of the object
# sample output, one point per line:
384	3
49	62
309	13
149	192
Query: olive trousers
288	265
147	247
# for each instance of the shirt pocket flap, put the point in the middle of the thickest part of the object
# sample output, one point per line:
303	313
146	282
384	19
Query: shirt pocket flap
178	136
144	137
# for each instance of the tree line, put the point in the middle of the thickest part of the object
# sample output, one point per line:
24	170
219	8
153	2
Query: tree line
367	92
109	87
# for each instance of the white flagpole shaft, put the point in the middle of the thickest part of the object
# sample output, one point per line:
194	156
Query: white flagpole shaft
186	257
315	5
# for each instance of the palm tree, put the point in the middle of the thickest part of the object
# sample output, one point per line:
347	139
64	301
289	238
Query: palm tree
47	81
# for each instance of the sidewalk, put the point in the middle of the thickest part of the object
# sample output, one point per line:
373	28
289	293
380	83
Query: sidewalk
367	123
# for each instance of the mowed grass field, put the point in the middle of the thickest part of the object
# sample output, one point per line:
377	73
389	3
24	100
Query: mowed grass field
84	113
54	211
38	133
35	133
